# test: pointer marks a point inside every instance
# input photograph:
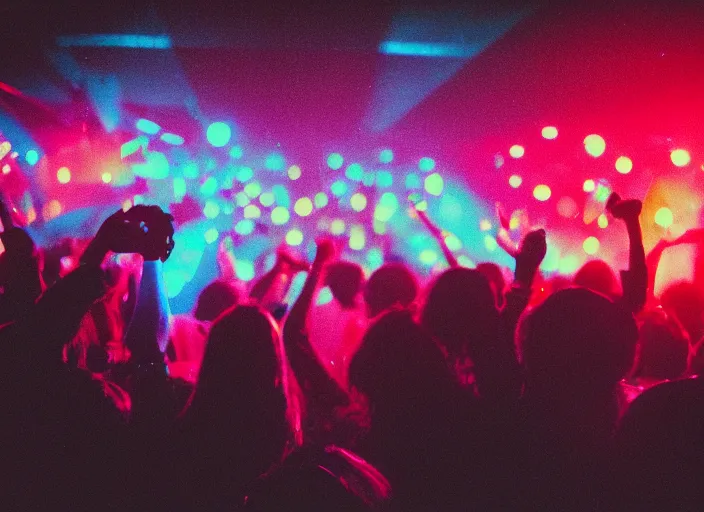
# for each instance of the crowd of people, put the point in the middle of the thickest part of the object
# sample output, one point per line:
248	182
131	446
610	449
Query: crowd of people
462	393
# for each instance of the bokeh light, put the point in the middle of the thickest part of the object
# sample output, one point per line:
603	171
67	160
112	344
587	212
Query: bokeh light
358	202
294	172
6	169
413	181
591	245
211	209
386	156
664	217
244	227
320	200
172	138
209	186
680	157
568	265
236	152
294	237
594	145
211	235
589	186
266	199
567	207
603	221
354	172
337	227
252	211
244	270
147	126
384	179
218	134
428	256
339	188
517	151
335	161
549	132
253	189
5	148
426	164
280	215
490	243
542	192
106	177
624	165
31	157
434	184
63	175
51	210
303	207
357	238
275	162
515	181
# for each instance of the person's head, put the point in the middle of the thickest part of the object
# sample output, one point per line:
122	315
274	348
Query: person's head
214	299
243	382
577	341
598	276
393	284
345	280
685	301
663	347
460	311
493	274
398	362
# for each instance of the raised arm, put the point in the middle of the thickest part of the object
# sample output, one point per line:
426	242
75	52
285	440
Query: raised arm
634	281
285	267
439	236
5	215
317	384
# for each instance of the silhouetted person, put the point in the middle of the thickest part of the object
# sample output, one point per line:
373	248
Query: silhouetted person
392	284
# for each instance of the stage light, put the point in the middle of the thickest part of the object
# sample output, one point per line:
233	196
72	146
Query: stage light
172	138
549	132
253	189
236	152
664	217
31	157
515	181
567	207
6	169
589	186
680	157
266	199
426	164
594	145
335	161
244	227
386	156
434	184
384	179
358	202
294	237
147	126
354	172
591	245
413	181
542	192
303	207
294	172
337	227
428	256
252	211
279	215
106	177
211	209
603	221
321	200
218	134
357	238
211	235
244	270
209	186
624	165
339	188
51	210
275	162
490	243
63	175
517	151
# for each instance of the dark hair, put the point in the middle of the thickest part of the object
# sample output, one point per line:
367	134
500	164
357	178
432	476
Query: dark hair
663	347
345	281
598	276
214	299
577	337
393	284
686	301
459	307
493	274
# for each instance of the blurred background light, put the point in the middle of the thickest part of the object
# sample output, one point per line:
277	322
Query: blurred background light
624	165
542	192
680	157
218	134
549	132
594	145
516	151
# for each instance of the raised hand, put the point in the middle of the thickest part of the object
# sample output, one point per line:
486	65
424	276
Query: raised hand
289	262
624	209
325	251
530	255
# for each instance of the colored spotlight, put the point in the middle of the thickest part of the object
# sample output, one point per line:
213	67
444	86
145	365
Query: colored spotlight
218	134
303	207
515	181
624	165
335	161
591	245
589	186
358	202
63	175
542	192
517	151
680	157
664	217
549	132
32	157
594	145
